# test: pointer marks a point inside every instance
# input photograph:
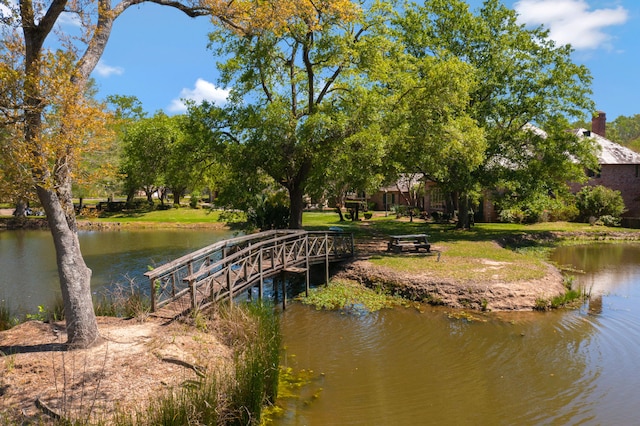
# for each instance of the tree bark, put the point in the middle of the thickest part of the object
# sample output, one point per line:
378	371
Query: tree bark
464	221
21	208
75	276
296	206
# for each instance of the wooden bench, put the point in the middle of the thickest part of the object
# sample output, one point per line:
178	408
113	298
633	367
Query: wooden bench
414	242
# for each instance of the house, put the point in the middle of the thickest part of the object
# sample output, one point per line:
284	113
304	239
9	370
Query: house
619	170
411	189
619	166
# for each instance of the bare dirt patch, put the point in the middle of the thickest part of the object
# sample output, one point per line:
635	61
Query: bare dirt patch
133	362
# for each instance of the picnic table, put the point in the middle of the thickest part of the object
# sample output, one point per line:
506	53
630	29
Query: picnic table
412	242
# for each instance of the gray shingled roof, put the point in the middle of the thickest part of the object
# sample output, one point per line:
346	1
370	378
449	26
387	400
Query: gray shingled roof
611	152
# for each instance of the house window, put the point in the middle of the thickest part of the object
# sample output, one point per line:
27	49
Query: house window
436	198
593	174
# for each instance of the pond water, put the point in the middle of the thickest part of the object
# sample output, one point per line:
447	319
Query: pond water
411	366
28	273
407	367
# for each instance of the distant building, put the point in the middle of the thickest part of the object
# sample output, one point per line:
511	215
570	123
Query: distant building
411	189
619	169
619	166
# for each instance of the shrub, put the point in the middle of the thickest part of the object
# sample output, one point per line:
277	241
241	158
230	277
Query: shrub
193	200
511	215
232	216
599	201
608	220
538	208
268	212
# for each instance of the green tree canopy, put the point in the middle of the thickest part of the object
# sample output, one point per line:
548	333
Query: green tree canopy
625	131
522	78
301	94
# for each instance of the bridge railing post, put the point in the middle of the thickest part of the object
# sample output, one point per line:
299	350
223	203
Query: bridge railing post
153	294
192	291
306	263
192	288
229	284
326	258
261	271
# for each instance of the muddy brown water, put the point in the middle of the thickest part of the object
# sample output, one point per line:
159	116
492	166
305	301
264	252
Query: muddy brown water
406	367
410	366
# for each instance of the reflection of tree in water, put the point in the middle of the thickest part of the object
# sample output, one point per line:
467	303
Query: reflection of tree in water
607	269
595	304
597	257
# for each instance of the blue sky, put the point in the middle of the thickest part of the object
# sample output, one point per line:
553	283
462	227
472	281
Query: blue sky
160	55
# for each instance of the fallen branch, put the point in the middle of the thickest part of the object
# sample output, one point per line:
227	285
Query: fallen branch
197	369
49	411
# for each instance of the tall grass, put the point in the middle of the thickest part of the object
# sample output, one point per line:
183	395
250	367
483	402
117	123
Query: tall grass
257	365
231	397
122	301
7	320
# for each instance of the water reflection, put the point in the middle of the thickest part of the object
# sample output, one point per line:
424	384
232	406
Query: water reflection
601	268
29	277
401	367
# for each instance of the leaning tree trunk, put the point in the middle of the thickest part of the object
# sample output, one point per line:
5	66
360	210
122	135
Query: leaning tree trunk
75	276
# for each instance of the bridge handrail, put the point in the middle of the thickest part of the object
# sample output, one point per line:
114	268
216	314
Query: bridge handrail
264	244
168	281
205	251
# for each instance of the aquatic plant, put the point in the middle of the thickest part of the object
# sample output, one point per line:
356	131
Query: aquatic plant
350	295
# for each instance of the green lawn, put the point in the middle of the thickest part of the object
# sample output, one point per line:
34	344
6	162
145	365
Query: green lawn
471	254
172	215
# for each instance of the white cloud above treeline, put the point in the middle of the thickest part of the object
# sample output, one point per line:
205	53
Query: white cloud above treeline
104	70
203	91
572	21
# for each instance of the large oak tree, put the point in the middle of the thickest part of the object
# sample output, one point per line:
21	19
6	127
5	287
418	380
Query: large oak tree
301	92
522	78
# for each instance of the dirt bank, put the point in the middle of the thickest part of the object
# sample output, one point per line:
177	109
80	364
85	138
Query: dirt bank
135	360
492	295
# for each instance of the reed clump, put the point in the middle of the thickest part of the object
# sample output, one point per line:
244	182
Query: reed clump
234	395
124	301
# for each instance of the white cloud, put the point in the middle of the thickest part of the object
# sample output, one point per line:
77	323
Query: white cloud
7	10
571	21
105	70
69	18
203	91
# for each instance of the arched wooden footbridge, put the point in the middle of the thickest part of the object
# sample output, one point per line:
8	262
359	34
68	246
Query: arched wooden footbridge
226	268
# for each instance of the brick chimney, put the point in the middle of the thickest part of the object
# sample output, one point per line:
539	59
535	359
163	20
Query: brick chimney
599	124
